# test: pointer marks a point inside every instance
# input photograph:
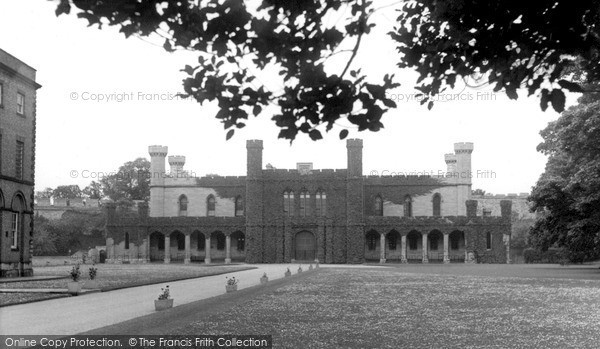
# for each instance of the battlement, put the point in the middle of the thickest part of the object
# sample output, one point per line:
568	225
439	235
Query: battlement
158	150
354	142
254	143
463	147
177	160
450	158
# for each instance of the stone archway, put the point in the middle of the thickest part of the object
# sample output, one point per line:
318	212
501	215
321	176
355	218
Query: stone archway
305	246
157	246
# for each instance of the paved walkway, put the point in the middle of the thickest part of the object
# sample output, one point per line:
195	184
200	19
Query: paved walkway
71	315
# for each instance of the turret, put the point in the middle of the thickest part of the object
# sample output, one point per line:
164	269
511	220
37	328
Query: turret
176	162
254	148
450	162
354	147
158	153
463	161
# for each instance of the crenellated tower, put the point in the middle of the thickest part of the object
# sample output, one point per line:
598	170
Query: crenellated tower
254	202
158	154
176	162
354	202
464	173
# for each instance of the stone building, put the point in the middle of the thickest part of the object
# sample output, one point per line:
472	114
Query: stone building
17	158
305	214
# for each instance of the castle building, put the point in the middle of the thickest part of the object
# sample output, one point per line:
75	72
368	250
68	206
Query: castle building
305	214
17	158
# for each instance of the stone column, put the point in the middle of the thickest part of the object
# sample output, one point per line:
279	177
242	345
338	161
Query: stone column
424	248
227	249
382	248
188	255
446	255
207	250
403	249
167	249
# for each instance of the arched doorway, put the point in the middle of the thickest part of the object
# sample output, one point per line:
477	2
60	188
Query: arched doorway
157	246
305	246
456	250
372	252
393	246
436	246
197	246
238	246
414	252
177	246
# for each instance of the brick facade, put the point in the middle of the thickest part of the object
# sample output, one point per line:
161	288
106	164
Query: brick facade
343	224
17	164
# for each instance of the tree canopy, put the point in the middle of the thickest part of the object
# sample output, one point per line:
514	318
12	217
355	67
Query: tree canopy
513	46
131	182
67	191
567	195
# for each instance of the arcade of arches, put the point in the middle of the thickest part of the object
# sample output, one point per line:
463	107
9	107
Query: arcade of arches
197	246
416	246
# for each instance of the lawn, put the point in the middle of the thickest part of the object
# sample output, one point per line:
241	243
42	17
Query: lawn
113	276
390	308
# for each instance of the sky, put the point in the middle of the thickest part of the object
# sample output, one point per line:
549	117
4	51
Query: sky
80	137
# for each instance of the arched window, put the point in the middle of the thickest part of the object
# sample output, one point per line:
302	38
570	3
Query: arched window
126	241
378	206
288	203
304	199
488	240
16	222
183	204
408	206
437	205
239	206
210	205
321	203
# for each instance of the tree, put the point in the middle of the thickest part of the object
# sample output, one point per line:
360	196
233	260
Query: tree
567	195
131	182
67	192
510	45
45	194
477	192
534	46
93	190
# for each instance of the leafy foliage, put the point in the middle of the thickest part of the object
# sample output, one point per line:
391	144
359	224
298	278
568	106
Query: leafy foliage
515	46
131	182
568	192
67	191
235	42
73	231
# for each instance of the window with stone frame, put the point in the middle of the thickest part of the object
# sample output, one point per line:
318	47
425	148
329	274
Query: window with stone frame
378	206
183	205
239	206
288	203
321	203
408	209
126	241
210	206
304	199
20	103
437	205
15	228
488	240
486	212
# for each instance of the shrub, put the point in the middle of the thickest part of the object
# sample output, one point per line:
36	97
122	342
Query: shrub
75	273
166	293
